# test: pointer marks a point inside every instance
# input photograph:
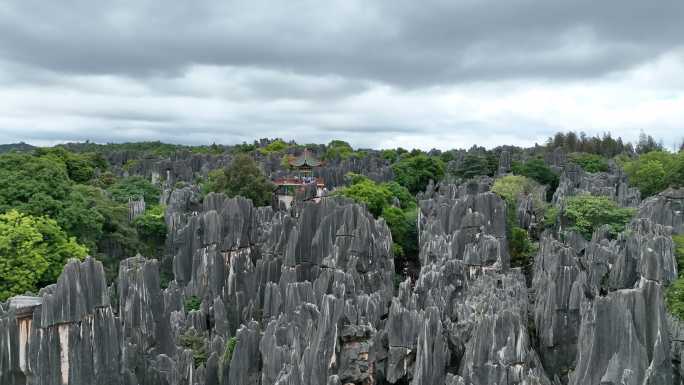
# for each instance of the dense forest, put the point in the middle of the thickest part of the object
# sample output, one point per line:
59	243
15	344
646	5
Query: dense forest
112	201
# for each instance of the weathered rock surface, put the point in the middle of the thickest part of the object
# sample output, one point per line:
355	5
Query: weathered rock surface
666	208
575	181
599	311
307	297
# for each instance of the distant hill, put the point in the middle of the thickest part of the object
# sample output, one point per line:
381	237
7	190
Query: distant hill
21	146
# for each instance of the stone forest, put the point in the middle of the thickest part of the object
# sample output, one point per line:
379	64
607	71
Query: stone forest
275	262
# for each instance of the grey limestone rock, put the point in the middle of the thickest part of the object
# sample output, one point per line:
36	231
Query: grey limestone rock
666	208
267	297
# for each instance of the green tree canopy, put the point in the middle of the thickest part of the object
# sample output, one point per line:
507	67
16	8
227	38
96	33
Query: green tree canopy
134	187
474	164
339	149
363	190
277	145
33	251
539	171
603	145
655	171
151	228
390	155
379	199
511	187
242	177
40	185
80	166
415	172
401	193
588	212
402	225
589	162
520	247
32	184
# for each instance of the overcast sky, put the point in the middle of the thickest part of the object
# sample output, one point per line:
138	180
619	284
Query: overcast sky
444	74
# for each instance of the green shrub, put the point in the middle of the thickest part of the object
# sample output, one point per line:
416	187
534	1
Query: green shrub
192	303
33	251
130	164
228	352
339	149
655	171
415	172
151	228
244	147
213	149
374	196
406	200
151	224
33	185
475	164
447	156
275	146
511	187
354	178
539	171
521	248
104	180
242	177
392	155
674	295
379	198
590	162
674	298
551	217
80	166
679	251
134	187
195	342
588	212
402	225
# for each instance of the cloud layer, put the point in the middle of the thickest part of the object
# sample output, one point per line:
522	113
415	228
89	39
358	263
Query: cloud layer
416	74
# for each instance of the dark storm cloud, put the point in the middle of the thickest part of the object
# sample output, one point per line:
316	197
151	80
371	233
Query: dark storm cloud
385	73
403	43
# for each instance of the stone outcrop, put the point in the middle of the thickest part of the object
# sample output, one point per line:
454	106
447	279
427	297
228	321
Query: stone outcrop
666	208
71	337
465	319
556	159
613	184
308	297
505	162
599	310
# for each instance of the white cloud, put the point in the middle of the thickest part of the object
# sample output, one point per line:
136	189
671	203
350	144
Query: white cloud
448	76
220	104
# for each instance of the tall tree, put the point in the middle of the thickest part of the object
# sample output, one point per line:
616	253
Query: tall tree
242	177
415	172
33	251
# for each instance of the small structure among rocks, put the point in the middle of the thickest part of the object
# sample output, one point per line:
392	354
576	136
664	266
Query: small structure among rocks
302	184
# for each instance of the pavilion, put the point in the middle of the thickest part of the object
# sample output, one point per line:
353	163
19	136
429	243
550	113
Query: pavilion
302	176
